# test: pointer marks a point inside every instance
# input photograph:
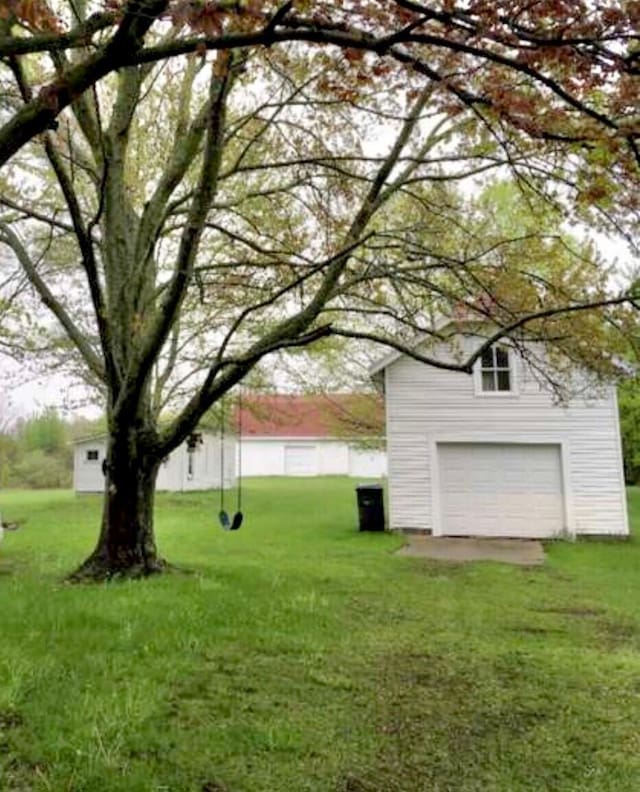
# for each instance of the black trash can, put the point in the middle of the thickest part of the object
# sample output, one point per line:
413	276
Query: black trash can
370	507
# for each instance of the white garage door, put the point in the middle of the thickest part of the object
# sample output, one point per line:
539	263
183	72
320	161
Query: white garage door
500	489
300	460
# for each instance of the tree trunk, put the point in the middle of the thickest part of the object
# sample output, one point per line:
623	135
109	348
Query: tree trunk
126	546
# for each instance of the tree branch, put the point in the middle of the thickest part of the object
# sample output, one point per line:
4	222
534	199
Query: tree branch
40	112
52	303
79	37
82	235
292	330
220	84
502	332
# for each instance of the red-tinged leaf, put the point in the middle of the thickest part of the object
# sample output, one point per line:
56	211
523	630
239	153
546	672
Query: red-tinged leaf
221	63
49	97
353	55
381	68
37	15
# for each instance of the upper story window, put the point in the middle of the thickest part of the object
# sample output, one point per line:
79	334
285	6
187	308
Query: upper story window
496	371
93	455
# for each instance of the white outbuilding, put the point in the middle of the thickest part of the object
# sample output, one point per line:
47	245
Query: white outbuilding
493	454
207	466
311	435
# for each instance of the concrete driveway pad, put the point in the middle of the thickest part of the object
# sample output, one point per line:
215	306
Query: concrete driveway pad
524	552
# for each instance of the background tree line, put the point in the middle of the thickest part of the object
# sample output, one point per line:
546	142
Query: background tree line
37	452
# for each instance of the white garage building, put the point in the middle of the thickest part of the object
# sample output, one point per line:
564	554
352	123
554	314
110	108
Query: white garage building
311	435
182	470
493	454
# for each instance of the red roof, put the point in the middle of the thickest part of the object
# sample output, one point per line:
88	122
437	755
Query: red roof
311	415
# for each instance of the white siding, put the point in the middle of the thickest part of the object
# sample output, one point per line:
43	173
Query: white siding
261	457
173	475
367	463
268	457
426	405
87	474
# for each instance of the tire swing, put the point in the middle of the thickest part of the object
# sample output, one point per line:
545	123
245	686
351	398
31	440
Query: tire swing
228	523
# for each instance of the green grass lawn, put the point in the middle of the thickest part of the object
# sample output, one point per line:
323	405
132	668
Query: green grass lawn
304	655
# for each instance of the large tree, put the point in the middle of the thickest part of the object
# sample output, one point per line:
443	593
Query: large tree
184	221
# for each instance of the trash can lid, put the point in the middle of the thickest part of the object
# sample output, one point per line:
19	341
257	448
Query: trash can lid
369	486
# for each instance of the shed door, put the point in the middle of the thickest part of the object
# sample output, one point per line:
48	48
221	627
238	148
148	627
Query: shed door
500	489
300	460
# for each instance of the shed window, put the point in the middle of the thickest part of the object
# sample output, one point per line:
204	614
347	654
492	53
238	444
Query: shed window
93	455
495	370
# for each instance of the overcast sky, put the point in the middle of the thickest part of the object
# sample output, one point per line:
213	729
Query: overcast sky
22	393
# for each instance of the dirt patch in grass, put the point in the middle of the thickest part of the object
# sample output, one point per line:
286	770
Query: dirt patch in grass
553	573
531	630
20	776
511	718
9	719
436	569
580	611
366	783
214	786
461	722
617	633
15	775
610	632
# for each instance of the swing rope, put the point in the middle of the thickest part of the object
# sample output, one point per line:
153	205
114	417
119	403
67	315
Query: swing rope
222	514
239	485
225	521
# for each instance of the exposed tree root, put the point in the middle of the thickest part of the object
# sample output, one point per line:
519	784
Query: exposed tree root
98	569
